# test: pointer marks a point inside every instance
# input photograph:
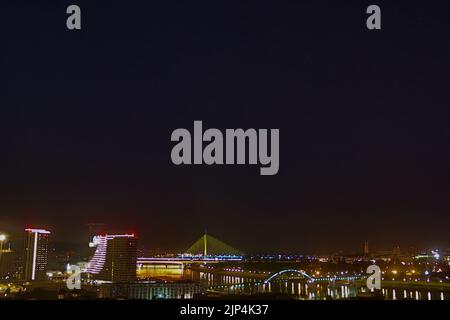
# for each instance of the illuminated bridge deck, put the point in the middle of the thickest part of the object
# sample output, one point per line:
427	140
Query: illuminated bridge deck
186	260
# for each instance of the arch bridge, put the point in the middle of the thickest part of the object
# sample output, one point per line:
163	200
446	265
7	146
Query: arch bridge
300	272
286	271
311	278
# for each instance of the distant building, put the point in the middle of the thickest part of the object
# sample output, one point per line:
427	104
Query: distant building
366	248
36	254
114	258
396	252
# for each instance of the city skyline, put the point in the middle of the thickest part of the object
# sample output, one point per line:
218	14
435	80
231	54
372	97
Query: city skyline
210	269
156	248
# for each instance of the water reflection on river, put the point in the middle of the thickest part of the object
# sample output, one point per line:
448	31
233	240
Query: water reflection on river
297	288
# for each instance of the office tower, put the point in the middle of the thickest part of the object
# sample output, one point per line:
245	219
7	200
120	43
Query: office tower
36	254
114	258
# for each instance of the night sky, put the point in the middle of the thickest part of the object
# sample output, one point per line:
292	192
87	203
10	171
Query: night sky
364	119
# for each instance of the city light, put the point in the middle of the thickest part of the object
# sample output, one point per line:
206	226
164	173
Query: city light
2	239
114	260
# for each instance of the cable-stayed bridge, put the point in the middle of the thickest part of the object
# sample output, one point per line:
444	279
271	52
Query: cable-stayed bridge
207	249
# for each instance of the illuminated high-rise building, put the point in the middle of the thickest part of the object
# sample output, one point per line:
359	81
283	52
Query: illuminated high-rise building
36	254
114	258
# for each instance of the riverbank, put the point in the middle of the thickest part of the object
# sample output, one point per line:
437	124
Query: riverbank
261	275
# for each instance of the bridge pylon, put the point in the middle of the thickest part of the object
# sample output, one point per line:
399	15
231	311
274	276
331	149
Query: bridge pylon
207	245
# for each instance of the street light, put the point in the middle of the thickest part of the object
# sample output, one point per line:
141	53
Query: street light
2	238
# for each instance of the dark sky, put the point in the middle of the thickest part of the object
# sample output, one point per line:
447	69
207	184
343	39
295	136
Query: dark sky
86	119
